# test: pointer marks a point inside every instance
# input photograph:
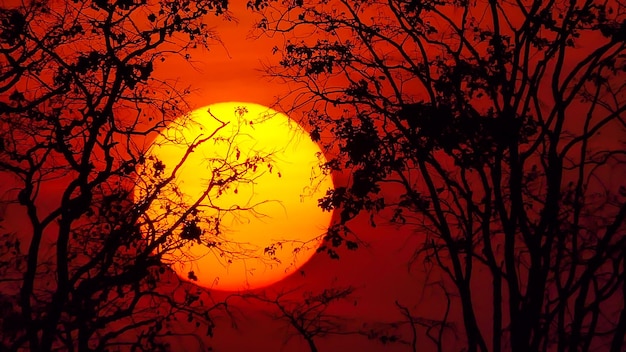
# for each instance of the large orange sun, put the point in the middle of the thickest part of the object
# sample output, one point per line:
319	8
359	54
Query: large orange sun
265	224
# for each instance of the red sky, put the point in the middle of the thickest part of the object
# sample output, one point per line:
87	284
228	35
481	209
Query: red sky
233	72
380	274
378	271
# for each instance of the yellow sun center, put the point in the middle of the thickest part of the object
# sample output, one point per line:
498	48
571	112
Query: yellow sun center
260	173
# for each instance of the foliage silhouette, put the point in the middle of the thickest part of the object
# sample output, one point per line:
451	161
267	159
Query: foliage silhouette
495	130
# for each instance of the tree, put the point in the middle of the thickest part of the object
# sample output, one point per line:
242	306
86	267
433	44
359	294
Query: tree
495	128
79	103
308	316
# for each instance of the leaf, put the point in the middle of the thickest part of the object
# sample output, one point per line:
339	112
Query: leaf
17	96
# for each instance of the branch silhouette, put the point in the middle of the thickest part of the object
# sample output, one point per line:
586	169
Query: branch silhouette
85	268
492	129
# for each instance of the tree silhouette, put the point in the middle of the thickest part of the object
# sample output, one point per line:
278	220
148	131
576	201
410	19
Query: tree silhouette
493	128
308	315
79	102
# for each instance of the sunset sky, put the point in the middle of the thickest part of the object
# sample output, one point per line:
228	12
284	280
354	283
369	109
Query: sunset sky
488	151
378	270
232	70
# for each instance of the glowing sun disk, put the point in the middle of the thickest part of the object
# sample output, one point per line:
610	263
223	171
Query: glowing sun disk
261	219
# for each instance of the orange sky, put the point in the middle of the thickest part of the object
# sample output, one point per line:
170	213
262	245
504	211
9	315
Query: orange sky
234	72
229	72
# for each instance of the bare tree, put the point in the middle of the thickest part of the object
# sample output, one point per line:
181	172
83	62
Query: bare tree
309	314
79	104
493	128
315	315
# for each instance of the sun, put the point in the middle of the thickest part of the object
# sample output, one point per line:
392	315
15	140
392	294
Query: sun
259	221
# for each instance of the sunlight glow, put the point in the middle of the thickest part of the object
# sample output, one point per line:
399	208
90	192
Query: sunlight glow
268	222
